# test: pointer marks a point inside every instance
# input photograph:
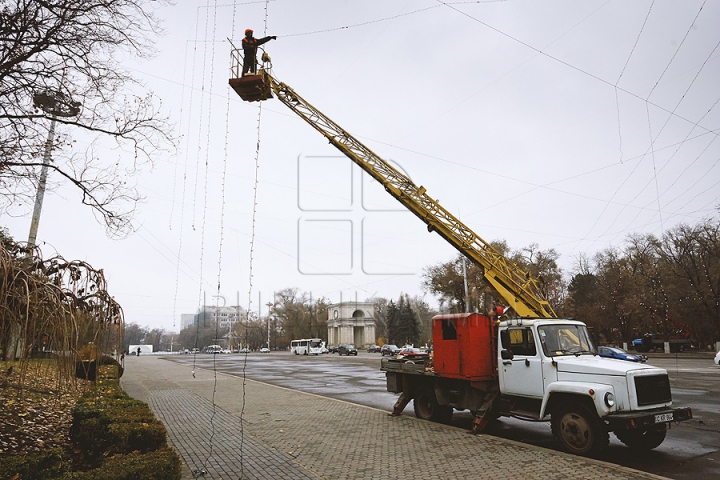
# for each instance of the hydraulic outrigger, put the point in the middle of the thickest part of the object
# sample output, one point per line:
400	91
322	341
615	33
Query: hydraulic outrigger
522	292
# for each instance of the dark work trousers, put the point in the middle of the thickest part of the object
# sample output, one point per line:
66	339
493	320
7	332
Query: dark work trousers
249	64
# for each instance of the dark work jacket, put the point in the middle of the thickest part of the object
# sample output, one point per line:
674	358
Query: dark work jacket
250	45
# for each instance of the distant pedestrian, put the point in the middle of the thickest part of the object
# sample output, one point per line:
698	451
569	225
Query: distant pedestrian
249	45
138	351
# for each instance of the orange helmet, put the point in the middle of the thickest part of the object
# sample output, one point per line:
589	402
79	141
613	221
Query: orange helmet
249	30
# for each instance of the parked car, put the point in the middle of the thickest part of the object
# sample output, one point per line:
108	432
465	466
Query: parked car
332	349
717	358
413	352
347	350
324	350
244	350
264	350
373	349
620	354
389	350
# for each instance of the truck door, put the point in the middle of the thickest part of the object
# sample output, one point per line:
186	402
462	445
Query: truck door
523	374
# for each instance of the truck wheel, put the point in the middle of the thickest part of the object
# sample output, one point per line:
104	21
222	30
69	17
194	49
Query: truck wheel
427	407
640	440
579	430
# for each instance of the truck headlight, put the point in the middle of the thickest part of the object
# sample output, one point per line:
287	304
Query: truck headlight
609	399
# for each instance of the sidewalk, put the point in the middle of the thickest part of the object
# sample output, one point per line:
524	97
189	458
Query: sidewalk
259	431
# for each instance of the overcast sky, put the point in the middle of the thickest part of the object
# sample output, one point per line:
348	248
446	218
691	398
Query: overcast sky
563	123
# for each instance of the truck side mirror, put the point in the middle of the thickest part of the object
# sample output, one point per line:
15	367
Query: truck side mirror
506	354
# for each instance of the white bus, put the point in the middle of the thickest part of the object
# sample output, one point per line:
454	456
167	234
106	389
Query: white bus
307	346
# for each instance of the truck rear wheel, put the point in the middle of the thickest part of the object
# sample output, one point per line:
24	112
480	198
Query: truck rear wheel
579	430
640	440
427	407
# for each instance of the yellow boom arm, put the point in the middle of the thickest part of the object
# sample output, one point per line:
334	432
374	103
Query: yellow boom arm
519	290
522	292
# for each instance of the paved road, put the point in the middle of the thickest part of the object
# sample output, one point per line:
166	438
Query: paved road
691	450
695	445
230	427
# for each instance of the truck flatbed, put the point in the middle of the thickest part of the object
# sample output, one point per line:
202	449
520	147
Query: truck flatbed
416	366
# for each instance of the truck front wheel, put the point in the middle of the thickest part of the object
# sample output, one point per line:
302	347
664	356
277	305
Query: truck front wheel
579	430
640	440
427	407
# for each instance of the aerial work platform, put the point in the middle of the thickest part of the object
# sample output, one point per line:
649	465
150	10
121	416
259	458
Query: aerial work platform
253	88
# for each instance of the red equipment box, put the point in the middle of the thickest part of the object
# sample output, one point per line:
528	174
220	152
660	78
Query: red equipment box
463	346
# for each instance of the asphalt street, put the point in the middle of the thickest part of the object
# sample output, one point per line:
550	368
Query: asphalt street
230	426
691	449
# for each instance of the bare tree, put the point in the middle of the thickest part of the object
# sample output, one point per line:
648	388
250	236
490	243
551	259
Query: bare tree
59	64
668	286
446	279
380	306
692	254
299	315
54	305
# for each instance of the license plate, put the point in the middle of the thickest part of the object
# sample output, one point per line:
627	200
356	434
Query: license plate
664	417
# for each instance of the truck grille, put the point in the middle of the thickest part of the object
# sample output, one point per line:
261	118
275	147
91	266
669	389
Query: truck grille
652	389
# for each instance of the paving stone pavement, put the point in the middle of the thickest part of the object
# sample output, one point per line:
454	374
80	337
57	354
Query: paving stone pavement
234	428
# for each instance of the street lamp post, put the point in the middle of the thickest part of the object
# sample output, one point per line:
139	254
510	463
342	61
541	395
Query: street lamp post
465	283
173	342
32	237
269	305
57	105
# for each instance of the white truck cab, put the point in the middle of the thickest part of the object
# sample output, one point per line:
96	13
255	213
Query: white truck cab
550	368
535	369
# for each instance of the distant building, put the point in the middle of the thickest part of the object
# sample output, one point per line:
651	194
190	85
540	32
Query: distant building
186	320
208	315
352	323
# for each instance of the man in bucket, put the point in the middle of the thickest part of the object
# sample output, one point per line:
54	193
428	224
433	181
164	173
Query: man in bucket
249	45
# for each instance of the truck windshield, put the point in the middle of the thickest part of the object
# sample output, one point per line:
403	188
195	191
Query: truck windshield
565	340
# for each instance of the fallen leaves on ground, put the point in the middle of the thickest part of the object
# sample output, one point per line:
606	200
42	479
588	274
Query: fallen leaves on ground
37	416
